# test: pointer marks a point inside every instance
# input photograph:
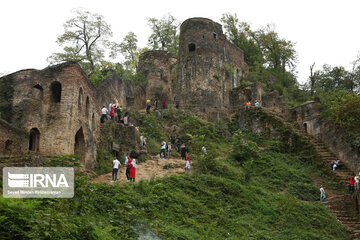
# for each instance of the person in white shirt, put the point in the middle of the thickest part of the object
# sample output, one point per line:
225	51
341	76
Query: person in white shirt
322	194
356	182
116	164
204	149
104	112
187	164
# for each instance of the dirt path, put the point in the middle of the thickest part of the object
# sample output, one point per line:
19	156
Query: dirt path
152	168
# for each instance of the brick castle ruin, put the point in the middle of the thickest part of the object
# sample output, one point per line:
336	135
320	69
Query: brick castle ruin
57	110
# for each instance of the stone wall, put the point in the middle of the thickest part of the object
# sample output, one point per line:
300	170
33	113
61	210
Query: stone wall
119	139
159	69
57	107
113	87
13	141
239	96
308	117
275	103
209	67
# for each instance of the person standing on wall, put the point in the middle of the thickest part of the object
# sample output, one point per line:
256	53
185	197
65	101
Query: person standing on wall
112	112
116	164
118	112
148	106
248	105
257	104
104	112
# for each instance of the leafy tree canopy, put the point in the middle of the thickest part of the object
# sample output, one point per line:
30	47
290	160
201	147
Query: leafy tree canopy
164	33
130	51
262	47
84	40
335	78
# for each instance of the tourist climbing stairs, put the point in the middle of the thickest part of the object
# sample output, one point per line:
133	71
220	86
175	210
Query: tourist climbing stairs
339	203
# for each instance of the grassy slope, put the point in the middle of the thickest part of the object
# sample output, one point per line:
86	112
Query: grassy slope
269	196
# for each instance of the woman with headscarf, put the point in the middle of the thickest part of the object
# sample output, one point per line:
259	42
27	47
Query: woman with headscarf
132	166
112	112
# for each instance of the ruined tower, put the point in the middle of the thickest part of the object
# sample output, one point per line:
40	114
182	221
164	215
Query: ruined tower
50	111
158	68
209	66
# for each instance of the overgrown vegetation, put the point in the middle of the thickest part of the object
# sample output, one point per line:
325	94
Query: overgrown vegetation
251	187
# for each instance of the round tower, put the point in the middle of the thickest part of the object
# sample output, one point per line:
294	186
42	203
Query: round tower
209	67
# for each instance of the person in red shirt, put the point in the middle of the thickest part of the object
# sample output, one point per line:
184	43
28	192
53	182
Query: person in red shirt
187	164
248	105
132	166
112	111
163	104
351	185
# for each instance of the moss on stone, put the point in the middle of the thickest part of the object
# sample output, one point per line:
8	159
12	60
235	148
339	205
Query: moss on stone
6	97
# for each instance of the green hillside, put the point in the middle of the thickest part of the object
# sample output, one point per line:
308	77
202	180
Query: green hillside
247	186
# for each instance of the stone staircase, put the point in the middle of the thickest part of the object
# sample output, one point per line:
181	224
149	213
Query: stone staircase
338	202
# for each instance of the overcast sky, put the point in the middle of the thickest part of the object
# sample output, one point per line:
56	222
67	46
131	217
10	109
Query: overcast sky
324	31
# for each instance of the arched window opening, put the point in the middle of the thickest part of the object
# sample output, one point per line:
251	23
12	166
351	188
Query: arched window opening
8	146
37	92
55	89
215	35
305	127
192	47
80	100
87	106
79	145
34	140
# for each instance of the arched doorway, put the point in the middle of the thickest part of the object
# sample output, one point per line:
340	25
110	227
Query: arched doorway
55	92
305	127
34	140
79	145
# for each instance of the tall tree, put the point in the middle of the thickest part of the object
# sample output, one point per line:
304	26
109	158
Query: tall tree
164	33
335	78
261	47
279	54
129	49
84	40
240	34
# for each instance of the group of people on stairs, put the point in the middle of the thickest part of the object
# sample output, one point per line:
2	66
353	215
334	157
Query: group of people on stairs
109	114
